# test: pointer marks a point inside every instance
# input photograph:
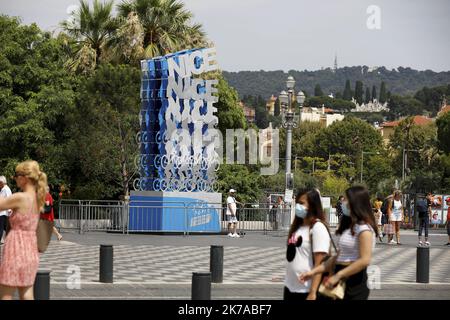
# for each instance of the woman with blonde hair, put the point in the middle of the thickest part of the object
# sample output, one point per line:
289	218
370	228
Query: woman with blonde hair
395	212
20	257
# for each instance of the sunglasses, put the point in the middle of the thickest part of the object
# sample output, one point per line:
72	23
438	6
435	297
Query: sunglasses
18	175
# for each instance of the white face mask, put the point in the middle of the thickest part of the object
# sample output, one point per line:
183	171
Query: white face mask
345	209
300	211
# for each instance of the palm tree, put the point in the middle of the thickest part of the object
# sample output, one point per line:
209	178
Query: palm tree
91	29
167	25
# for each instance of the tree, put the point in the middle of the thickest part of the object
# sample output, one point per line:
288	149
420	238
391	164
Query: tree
359	91
127	46
229	113
333	186
104	147
409	136
91	29
432	98
304	142
445	176
167	26
383	93
376	169
261	114
240	178
367	97
350	136
37	95
374	93
318	91
348	94
404	106
337	104
276	111
443	132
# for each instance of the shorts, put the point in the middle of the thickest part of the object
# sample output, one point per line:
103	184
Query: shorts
232	219
396	217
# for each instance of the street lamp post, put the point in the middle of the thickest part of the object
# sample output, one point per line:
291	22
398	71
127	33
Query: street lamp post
289	120
405	159
362	161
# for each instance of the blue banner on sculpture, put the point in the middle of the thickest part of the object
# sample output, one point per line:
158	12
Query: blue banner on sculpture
178	131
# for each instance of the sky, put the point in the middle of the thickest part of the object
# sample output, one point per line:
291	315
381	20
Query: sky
300	34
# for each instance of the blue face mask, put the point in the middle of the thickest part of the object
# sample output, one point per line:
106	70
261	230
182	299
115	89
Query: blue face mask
300	211
345	209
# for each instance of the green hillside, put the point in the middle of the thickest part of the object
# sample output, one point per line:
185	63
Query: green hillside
400	81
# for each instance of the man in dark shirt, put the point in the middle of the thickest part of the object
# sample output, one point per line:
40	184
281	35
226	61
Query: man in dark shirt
339	212
423	209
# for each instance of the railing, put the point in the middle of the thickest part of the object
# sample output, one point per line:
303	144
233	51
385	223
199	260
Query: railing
93	215
175	216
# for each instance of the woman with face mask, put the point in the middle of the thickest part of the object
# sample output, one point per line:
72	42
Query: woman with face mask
357	233
308	245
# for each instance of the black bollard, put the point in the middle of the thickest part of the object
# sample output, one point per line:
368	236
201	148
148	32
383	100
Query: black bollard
106	263
41	287
201	286
423	265
216	264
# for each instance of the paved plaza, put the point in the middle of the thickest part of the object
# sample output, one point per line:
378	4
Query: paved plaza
161	266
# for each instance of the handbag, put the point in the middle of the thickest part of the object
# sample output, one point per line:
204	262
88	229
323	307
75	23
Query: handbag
388	229
44	233
338	291
47	208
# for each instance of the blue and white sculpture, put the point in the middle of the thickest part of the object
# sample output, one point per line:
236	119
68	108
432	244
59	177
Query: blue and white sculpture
178	132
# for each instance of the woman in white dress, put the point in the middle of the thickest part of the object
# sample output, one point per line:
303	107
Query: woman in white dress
395	211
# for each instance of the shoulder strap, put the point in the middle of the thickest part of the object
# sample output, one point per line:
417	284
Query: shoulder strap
329	233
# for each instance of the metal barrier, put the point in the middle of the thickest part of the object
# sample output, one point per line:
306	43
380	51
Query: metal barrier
186	218
93	215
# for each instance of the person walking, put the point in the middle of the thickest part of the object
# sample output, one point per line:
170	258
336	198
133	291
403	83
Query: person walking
378	217
5	192
231	214
357	233
395	211
448	222
20	257
424	219
308	245
339	208
48	213
388	229
276	213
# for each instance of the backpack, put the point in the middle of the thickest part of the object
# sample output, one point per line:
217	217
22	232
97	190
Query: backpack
422	207
384	206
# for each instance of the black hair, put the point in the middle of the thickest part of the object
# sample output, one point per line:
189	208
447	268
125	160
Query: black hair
314	208
360	210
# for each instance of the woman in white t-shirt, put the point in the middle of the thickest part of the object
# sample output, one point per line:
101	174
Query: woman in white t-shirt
309	222
357	233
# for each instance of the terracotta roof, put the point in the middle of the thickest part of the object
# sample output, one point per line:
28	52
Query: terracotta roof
444	109
418	120
390	124
328	110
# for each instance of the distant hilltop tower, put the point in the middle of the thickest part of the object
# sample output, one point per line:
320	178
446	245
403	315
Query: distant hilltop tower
335	63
